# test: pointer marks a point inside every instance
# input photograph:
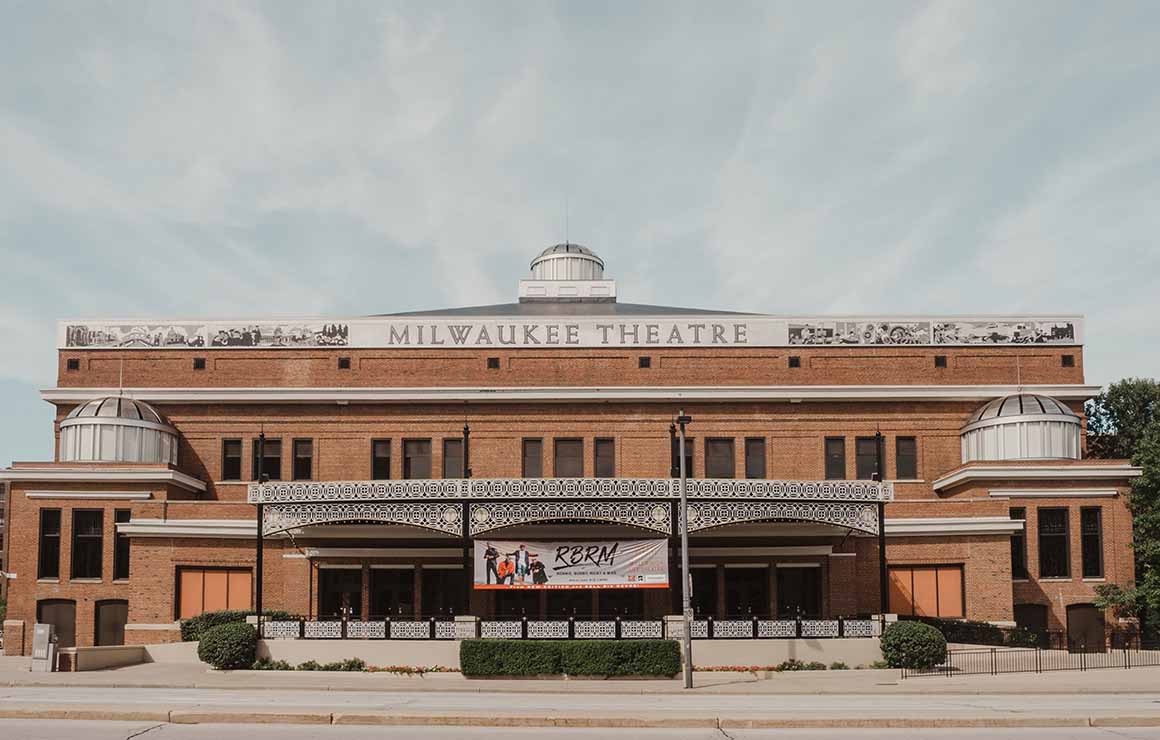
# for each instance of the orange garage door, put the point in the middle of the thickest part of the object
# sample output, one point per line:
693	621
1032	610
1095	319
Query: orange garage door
211	589
927	591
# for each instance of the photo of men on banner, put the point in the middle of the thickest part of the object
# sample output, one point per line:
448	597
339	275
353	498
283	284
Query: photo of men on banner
585	564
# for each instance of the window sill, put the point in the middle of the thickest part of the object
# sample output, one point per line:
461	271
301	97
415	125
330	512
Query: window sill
120	580
1095	580
86	580
1055	579
48	580
1020	580
907	480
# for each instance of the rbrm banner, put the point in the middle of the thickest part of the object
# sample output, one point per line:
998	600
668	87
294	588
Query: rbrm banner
526	564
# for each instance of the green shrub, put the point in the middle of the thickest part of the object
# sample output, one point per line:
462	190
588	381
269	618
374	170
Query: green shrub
913	645
793	664
229	646
1021	637
620	657
838	665
310	665
964	630
509	657
265	664
192	628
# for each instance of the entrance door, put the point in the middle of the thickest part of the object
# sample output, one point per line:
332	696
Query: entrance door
61	613
704	596
519	603
443	592
340	592
1085	629
799	593
573	602
111	618
626	603
392	592
746	592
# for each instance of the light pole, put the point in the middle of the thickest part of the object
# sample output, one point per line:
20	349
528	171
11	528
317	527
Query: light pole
686	606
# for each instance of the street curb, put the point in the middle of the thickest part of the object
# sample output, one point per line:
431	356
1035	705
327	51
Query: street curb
185	716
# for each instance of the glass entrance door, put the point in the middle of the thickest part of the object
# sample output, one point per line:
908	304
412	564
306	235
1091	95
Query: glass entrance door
392	592
443	592
799	593
340	593
746	592
704	595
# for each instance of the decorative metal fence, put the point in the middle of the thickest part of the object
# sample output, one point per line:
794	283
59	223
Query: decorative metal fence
1079	657
612	628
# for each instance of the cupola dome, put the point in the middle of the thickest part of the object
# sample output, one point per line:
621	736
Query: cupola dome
1022	427
567	262
117	429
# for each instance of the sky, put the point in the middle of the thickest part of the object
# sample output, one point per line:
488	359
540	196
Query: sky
239	159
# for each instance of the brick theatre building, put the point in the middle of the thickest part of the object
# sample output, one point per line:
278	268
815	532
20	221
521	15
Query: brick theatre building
518	462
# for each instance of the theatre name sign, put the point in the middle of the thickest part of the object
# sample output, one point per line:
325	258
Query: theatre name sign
684	331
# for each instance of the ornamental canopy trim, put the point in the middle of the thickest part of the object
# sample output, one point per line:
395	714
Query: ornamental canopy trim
481	489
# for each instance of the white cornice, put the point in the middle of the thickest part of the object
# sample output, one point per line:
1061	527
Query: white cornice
382	552
217	528
103	475
93	495
957	525
547	394
1044	471
1053	492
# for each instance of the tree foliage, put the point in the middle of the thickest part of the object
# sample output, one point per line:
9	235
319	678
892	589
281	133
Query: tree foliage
1120	417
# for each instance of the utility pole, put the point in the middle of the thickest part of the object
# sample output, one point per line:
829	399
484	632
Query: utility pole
879	475
686	605
262	478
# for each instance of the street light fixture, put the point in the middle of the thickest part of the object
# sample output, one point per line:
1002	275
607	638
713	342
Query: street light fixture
686	606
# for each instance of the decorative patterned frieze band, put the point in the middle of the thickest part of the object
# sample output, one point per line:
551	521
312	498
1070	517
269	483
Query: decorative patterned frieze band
648	515
441	517
569	488
707	514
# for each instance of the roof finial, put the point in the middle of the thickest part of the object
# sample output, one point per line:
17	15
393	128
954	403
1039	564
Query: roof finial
121	379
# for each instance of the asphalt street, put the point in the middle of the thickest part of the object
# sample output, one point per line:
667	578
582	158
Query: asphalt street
70	730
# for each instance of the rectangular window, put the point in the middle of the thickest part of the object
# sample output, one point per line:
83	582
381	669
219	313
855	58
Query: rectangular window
1054	558
416	458
569	458
381	459
927	591
719	461
272	465
1091	529
48	561
906	458
231	459
532	465
120	546
755	457
865	458
303	459
212	589
1019	545
453	458
835	458
87	538
675	457
604	458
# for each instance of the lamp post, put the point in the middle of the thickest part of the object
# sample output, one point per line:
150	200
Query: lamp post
686	606
262	478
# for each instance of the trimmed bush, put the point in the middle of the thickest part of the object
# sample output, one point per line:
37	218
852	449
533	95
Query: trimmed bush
229	646
838	665
913	645
265	664
192	628
509	657
1021	637
620	657
964	630
793	664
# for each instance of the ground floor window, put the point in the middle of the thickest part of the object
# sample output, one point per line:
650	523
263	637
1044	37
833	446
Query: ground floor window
212	589
111	617
927	591
62	614
444	592
799	592
340	592
392	592
746	591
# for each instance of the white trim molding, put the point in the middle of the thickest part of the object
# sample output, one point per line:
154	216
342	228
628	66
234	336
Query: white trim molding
554	394
1047	470
785	550
383	552
952	525
93	495
103	475
1054	493
216	528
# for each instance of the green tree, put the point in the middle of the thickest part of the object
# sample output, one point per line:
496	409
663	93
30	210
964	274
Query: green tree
1121	416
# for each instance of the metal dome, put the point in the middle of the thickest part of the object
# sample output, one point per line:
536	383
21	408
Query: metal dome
567	262
1022	427
117	429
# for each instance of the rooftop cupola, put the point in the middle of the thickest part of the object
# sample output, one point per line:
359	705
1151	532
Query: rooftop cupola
117	429
567	273
1022	427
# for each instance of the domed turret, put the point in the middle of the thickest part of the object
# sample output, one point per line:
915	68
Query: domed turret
567	262
1022	427
117	429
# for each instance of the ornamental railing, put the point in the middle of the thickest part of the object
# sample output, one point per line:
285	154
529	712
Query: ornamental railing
568	488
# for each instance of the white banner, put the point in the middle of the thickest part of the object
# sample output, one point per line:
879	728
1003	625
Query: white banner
516	564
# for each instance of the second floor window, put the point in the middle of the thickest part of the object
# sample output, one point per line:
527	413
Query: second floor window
835	458
532	459
48	561
381	459
303	459
675	457
569	458
719	462
87	542
1019	545
1054	557
272	465
755	457
604	458
1092	541
120	546
416	458
231	459
866	458
453	458
906	458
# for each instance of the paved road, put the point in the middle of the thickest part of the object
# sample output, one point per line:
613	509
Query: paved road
70	730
